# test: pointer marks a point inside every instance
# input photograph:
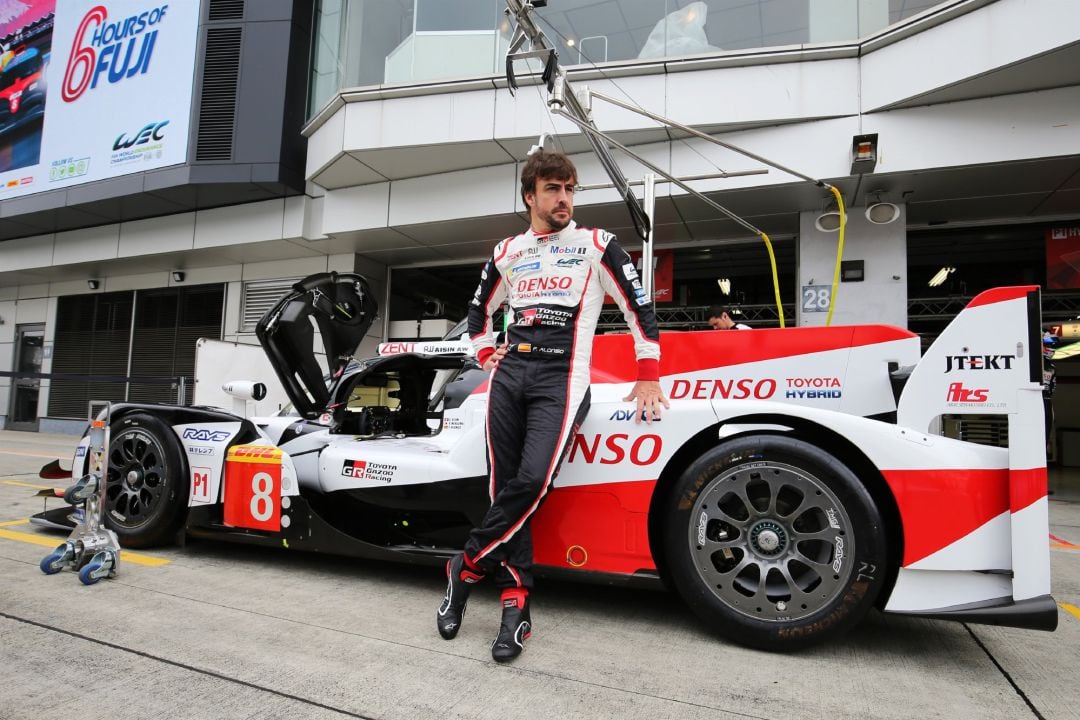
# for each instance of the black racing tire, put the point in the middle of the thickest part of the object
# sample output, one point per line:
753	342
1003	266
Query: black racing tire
774	543
146	490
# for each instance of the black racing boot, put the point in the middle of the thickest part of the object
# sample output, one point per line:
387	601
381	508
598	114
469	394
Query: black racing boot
460	579
516	626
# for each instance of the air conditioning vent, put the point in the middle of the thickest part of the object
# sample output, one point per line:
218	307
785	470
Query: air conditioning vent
259	296
226	10
217	108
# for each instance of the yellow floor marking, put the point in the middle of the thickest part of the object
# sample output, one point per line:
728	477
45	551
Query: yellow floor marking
9	523
26	484
140	559
52	542
1059	546
28	454
1071	608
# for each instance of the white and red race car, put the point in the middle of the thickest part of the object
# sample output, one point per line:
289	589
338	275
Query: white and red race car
799	478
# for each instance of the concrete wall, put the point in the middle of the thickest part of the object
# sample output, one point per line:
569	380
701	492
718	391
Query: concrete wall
881	297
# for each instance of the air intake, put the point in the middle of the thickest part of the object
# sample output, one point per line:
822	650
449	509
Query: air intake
217	106
226	10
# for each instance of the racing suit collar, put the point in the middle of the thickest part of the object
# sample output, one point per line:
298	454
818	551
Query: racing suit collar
569	228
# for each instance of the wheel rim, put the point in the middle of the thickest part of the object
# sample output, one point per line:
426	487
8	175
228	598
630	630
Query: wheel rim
135	486
771	541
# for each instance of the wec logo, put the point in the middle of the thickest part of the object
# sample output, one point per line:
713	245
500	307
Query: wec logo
104	48
151	131
205	435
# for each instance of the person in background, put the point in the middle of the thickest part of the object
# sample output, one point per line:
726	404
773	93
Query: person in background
720	319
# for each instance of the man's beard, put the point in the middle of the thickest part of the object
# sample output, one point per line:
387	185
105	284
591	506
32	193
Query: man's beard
554	223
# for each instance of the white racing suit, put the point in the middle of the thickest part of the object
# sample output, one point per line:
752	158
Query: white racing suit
538	394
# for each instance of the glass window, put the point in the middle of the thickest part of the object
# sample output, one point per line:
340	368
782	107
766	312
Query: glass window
373	42
440	15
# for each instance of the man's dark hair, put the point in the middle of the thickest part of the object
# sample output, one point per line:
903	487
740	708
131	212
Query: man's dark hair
716	311
543	164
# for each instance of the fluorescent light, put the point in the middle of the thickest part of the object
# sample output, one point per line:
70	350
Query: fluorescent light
725	285
939	278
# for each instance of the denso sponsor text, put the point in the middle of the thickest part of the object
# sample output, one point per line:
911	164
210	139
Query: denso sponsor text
104	49
544	283
612	450
733	389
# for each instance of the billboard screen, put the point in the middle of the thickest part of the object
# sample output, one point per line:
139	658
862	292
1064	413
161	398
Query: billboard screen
91	91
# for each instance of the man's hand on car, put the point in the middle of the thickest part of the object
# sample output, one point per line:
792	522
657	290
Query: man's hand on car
649	398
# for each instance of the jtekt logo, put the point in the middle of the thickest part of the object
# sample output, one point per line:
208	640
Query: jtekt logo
978	362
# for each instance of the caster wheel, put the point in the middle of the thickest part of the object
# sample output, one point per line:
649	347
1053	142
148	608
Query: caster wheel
91	573
53	563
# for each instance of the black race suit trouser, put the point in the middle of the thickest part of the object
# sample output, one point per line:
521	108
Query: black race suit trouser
530	423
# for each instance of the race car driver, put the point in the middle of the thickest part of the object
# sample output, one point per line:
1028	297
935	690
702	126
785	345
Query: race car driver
554	276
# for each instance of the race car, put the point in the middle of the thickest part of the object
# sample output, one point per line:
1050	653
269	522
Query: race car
22	88
799	478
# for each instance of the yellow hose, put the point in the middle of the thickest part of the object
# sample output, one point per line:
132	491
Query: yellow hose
775	281
839	256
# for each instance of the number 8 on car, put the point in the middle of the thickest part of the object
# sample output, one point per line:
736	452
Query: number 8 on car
253	487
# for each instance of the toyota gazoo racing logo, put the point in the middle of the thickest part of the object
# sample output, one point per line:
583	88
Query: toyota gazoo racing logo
110	51
364	470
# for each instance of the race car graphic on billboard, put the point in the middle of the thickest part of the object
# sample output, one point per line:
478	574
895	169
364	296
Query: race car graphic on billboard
26	29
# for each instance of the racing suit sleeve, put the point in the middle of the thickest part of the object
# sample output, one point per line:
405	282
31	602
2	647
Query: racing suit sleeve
620	279
489	294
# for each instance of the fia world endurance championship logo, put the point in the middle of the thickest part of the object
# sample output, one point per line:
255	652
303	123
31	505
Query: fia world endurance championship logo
112	51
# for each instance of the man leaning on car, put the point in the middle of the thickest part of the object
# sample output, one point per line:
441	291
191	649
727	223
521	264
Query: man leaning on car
554	276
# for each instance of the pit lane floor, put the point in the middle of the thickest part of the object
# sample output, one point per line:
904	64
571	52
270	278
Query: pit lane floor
223	631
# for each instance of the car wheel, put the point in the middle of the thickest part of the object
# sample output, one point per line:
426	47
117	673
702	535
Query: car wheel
146	490
774	543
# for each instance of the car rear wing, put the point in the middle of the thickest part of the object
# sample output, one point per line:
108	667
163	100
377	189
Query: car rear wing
988	361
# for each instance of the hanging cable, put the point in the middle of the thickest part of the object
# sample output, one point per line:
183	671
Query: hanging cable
839	253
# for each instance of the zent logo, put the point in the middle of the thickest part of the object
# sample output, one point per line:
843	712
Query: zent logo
205	435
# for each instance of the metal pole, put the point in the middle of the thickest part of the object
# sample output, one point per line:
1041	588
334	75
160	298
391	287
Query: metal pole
181	391
647	270
684	178
131	344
